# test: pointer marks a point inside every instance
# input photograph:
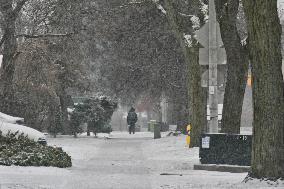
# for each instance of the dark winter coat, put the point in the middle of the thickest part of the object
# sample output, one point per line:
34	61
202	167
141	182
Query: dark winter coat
131	117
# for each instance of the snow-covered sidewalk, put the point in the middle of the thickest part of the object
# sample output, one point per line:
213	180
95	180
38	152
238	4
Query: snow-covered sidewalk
170	157
123	161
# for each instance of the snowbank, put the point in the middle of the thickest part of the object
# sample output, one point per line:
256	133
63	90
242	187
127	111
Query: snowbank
9	123
31	133
10	119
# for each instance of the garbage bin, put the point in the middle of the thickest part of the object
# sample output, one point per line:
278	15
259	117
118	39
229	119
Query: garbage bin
151	125
157	130
231	149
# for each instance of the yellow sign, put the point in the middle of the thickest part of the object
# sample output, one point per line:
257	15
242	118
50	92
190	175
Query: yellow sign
187	140
249	82
188	128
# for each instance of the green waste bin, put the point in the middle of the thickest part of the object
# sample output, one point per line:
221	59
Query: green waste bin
151	125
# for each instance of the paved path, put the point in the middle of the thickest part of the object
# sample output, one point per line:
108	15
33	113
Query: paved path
98	164
122	162
118	164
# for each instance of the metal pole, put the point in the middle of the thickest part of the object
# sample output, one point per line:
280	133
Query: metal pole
213	61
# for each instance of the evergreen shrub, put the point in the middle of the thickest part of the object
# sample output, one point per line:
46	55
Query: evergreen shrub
20	150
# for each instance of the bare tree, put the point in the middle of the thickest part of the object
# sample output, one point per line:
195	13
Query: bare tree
185	36
237	65
10	14
43	33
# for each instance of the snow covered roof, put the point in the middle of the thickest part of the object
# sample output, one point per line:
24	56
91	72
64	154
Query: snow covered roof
10	119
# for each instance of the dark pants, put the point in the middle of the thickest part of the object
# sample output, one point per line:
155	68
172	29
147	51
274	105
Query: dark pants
131	129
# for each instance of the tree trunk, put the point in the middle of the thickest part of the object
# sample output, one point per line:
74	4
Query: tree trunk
88	129
63	99
9	54
75	134
237	66
191	54
264	31
55	125
180	110
51	122
196	93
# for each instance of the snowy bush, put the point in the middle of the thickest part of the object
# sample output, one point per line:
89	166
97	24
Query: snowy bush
19	150
96	112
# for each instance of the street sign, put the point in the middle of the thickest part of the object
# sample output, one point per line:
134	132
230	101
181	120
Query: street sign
204	56
220	77
211	90
202	36
205	142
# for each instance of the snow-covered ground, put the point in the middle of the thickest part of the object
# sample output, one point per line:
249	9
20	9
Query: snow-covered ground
123	161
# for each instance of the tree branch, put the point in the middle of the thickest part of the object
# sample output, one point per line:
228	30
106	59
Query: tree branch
36	36
44	35
132	3
159	6
2	40
186	15
19	7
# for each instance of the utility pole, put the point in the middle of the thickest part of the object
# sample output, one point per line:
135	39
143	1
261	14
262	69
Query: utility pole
213	73
211	54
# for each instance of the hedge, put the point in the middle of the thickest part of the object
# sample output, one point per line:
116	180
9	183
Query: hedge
20	150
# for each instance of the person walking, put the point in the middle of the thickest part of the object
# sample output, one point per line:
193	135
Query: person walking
131	120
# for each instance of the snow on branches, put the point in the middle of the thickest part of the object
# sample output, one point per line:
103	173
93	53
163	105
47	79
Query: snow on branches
159	6
188	40
204	10
195	22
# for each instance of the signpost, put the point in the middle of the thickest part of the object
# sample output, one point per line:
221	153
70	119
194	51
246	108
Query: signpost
212	54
